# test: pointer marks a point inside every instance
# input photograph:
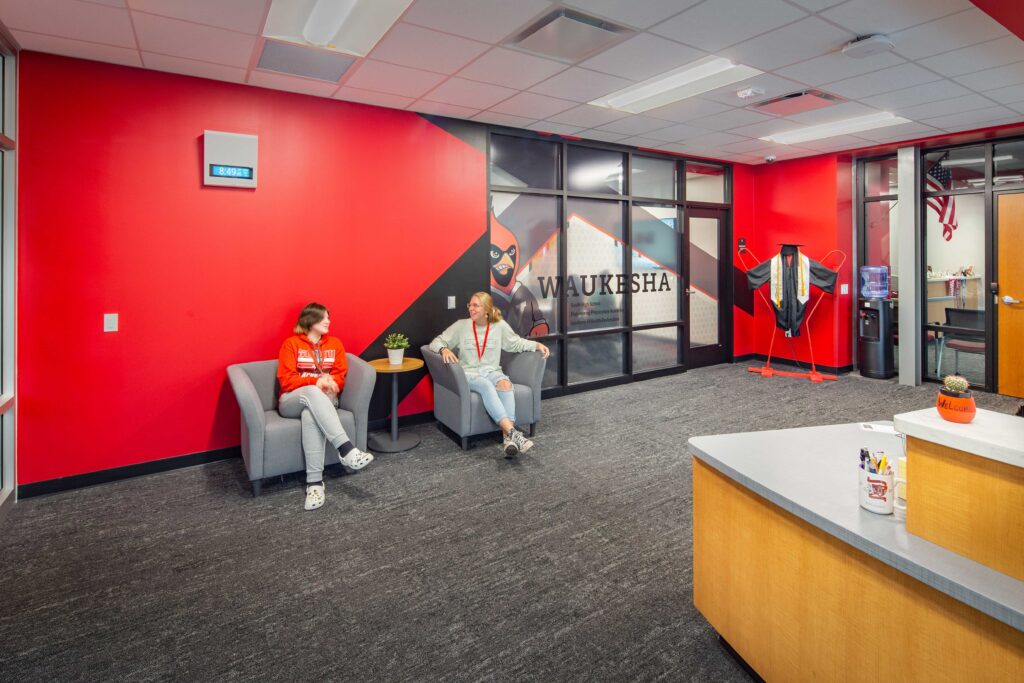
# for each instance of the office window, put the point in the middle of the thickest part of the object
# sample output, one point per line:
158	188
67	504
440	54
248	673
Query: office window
522	162
705	182
595	170
595	281
955	169
655	178
1008	158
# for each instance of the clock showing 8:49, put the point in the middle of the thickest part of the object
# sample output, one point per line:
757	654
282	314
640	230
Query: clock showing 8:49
224	171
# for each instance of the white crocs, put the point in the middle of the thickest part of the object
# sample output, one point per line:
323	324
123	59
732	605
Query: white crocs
315	496
356	459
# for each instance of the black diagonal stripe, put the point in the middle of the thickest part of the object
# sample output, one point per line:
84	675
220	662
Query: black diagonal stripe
472	133
428	316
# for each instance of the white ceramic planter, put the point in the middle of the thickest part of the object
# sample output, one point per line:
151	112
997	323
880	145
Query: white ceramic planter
395	356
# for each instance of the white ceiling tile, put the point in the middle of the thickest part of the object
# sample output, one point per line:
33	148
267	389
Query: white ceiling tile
949	33
977	57
69	19
642	57
837	66
237	15
836	142
750	147
643	142
999	77
602	135
556	128
266	79
588	116
952	105
715	24
465	93
77	48
375	98
974	118
678	132
637	124
422	48
1017	107
191	67
715	140
904	131
865	17
533	106
193	41
761	130
685	110
497	119
836	112
918	94
486	20
772	85
1013	93
731	119
392	79
632	13
805	39
885	80
581	85
511	68
112	3
816	5
441	109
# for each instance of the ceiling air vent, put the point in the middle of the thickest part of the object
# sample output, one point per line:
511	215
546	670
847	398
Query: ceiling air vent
569	36
797	102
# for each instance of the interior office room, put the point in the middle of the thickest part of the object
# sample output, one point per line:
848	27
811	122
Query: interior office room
758	270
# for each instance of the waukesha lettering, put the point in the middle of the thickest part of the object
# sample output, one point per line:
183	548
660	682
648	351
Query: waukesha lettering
588	285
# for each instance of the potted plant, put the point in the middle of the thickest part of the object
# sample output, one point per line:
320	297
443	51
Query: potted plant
955	401
396	344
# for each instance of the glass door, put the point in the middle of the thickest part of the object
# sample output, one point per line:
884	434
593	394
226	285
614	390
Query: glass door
708	299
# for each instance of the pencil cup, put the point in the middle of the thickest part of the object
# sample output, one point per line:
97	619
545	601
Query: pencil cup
876	492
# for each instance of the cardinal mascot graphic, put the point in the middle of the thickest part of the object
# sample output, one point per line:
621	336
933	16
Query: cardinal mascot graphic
517	304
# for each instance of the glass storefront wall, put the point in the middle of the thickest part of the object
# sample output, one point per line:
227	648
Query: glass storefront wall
593	265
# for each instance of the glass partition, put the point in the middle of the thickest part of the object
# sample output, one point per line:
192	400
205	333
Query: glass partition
704	182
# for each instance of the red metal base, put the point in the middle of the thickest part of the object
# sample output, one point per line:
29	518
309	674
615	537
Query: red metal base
814	375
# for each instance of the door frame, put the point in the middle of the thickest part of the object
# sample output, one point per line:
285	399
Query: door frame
722	352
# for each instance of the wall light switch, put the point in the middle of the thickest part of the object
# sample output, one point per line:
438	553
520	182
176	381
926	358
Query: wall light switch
110	322
451	302
844	288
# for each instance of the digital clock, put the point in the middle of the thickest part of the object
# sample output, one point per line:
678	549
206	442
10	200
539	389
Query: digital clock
223	171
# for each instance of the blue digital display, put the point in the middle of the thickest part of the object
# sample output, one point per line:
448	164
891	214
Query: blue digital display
222	171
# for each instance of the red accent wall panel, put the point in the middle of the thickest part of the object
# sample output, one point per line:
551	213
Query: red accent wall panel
358	207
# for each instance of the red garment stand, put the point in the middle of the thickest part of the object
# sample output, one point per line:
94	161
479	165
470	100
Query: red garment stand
767	370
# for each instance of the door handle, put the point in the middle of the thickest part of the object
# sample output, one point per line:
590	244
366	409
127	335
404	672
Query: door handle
1010	300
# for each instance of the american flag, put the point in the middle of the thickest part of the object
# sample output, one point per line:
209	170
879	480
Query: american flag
939	179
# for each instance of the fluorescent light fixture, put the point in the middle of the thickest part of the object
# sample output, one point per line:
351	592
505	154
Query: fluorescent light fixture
972	162
827	130
693	79
353	27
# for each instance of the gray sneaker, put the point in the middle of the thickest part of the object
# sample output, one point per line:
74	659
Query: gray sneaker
520	440
509	447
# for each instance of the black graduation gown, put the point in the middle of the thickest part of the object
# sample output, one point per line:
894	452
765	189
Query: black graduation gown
789	315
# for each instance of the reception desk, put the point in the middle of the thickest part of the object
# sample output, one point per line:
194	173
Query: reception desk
806	585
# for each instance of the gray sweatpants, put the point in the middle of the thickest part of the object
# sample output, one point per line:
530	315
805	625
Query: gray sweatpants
320	424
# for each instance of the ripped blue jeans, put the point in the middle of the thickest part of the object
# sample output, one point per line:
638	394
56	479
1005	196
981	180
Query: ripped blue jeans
498	403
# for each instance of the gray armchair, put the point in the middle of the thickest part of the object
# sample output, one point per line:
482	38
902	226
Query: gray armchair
462	411
271	444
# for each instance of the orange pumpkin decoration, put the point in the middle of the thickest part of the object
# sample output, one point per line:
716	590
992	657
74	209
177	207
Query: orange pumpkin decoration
956	406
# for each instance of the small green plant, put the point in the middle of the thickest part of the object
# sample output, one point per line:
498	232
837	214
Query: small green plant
956	383
396	340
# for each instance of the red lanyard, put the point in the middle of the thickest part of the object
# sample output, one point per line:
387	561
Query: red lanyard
479	350
317	360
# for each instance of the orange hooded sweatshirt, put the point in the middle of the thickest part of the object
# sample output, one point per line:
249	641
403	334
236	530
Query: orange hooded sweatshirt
301	362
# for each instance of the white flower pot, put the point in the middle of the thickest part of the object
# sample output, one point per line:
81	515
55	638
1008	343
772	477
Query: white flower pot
395	356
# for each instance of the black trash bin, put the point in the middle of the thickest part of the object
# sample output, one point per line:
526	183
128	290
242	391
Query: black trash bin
874	338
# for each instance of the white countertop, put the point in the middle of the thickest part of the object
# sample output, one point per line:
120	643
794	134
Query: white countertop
812	473
991	435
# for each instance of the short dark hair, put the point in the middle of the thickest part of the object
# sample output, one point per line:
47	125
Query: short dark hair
311	314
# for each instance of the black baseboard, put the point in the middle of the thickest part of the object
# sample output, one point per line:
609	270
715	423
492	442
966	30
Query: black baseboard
739	660
798	365
78	481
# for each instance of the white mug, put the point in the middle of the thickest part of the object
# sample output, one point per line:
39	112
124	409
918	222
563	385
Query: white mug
877	492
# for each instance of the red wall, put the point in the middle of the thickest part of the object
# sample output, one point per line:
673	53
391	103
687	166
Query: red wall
358	207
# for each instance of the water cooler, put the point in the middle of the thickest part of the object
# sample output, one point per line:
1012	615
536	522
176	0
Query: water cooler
875	324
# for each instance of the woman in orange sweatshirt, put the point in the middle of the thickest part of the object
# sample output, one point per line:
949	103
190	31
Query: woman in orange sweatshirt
311	369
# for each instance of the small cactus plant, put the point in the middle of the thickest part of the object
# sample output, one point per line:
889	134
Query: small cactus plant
956	383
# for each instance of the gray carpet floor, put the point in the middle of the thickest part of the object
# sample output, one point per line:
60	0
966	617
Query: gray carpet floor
572	563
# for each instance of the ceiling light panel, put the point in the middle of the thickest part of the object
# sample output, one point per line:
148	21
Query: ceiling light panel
844	127
350	26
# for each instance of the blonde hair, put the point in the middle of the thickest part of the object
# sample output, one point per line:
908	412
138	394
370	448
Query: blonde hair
493	314
311	314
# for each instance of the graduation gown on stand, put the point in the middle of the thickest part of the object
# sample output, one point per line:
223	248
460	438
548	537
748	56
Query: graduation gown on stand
791	275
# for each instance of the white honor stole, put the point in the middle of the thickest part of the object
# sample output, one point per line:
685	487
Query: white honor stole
803	292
